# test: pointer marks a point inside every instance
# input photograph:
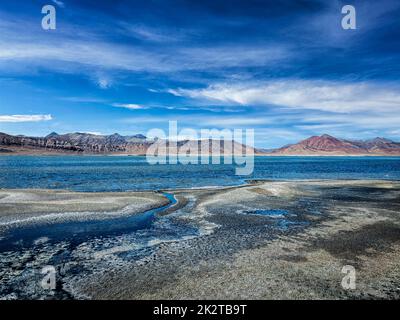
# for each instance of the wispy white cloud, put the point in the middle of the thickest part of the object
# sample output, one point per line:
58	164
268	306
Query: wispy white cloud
83	99
105	55
302	94
147	33
223	57
25	118
135	106
95	54
235	121
204	120
371	120
354	126
21	44
130	106
74	50
59	3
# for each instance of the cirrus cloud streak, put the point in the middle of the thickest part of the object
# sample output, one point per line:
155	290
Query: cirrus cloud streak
302	94
25	118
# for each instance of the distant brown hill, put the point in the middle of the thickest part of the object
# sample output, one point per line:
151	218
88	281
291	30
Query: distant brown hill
328	145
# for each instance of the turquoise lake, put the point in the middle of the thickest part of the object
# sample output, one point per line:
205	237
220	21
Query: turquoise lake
109	173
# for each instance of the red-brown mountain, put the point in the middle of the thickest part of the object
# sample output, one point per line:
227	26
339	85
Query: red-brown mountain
328	145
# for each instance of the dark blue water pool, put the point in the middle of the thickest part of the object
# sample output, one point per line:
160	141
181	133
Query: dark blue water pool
79	231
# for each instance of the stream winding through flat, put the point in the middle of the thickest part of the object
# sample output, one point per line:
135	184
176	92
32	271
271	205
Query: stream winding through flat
77	232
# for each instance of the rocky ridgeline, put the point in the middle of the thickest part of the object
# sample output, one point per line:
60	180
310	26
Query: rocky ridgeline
79	142
112	144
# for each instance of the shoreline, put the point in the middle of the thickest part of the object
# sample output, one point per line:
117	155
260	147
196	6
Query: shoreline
55	154
27	151
247	182
261	240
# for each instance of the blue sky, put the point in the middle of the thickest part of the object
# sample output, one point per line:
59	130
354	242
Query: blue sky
285	68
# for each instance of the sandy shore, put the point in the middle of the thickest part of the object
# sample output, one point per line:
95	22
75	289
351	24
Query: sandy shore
267	240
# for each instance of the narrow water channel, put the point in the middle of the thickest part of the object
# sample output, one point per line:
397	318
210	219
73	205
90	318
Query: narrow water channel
76	232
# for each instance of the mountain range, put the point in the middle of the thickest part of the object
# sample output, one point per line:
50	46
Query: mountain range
85	143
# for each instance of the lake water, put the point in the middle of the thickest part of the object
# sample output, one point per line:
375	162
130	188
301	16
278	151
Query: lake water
106	173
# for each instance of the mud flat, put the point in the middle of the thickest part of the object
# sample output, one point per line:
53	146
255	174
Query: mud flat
274	240
266	240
